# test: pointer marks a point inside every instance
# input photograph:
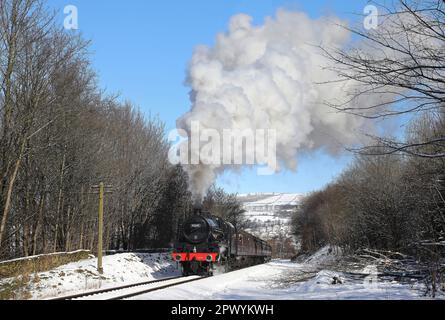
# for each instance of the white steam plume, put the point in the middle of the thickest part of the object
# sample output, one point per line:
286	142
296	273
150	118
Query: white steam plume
265	77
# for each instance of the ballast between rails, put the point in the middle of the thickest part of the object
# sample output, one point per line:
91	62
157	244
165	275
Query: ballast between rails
123	292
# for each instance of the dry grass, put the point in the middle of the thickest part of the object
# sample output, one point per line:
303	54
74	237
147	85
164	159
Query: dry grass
41	263
15	289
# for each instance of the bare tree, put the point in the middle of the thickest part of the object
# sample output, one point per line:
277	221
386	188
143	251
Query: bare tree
60	135
226	206
401	62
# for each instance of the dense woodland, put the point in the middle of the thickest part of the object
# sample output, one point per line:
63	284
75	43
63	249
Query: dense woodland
61	135
389	202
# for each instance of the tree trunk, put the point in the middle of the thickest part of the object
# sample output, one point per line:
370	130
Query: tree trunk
68	230
59	199
38	225
10	189
26	239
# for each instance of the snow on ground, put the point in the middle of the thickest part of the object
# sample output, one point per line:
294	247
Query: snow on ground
268	225
263	216
119	269
323	256
285	280
312	277
268	216
269	230
280	199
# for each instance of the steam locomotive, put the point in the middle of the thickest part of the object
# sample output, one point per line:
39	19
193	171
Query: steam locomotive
207	242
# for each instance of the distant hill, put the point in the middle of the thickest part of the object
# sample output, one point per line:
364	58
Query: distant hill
251	197
268	216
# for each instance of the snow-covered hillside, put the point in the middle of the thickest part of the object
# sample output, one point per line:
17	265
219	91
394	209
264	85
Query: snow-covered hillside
268	215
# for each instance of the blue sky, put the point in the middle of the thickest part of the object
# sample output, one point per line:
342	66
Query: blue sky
140	49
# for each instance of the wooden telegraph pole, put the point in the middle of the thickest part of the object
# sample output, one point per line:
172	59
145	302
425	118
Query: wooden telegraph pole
101	229
100	189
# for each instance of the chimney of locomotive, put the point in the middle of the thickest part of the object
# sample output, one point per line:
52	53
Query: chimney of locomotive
197	209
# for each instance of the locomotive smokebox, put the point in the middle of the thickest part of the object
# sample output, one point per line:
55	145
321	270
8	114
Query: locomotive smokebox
197	210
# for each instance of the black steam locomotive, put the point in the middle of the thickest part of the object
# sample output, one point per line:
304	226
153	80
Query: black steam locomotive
208	241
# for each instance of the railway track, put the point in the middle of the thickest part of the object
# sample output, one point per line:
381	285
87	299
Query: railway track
131	290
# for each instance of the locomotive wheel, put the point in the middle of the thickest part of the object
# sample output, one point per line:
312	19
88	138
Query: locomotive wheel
209	270
185	269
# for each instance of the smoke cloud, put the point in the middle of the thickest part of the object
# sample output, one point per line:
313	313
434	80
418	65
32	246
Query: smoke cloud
270	77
